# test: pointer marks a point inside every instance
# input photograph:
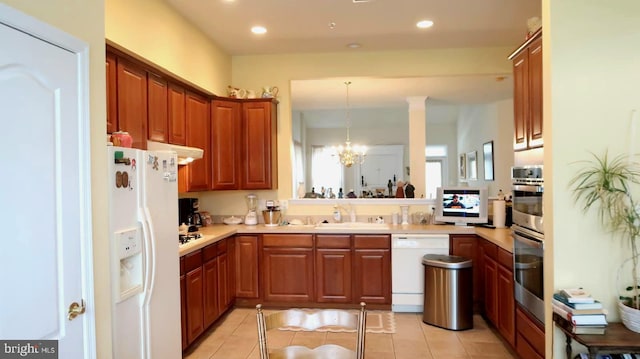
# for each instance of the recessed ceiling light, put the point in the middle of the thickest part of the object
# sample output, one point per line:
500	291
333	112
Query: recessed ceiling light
332	25
424	24
354	45
259	30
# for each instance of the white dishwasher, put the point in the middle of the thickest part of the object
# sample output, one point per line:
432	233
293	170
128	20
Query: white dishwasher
407	271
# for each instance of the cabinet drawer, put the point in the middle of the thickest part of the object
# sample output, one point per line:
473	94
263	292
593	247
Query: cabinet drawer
333	241
372	241
505	258
193	261
490	249
288	240
526	328
525	350
209	252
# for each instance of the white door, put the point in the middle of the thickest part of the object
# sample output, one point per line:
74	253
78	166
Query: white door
45	253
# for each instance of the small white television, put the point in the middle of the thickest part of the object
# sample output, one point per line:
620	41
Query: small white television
462	205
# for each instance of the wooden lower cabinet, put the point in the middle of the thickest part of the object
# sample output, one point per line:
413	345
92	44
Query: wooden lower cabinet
499	302
372	269
466	245
204	288
506	304
333	268
288	267
195	303
183	304
225	296
529	336
246	267
210	272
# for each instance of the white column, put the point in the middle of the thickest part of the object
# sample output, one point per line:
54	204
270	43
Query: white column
417	143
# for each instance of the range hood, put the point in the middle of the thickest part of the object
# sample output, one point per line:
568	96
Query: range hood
185	154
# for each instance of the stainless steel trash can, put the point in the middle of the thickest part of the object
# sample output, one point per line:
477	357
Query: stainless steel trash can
448	291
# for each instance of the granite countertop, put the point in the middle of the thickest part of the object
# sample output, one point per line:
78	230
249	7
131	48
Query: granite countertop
211	234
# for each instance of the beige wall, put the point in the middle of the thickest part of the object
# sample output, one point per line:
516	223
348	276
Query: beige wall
153	30
85	20
591	82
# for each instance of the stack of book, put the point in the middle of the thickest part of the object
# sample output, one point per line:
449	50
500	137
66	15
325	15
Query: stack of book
579	312
609	356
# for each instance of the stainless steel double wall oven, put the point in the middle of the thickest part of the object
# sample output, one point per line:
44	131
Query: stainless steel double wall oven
528	238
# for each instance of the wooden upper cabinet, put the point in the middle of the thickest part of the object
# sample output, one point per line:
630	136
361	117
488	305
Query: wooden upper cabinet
226	140
520	100
527	94
177	116
535	92
198	135
260	167
132	102
157	108
112	93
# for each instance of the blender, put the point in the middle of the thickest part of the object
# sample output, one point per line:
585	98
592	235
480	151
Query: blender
252	216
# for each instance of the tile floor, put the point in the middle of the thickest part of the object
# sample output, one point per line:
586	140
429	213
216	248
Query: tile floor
235	337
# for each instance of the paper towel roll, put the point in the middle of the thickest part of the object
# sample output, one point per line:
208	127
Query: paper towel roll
499	214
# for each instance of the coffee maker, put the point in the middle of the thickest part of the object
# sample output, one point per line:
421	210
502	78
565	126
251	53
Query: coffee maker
189	213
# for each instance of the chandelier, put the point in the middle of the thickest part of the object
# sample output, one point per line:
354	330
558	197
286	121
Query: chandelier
350	154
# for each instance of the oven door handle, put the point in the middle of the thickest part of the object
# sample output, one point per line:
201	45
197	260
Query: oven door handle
526	188
530	242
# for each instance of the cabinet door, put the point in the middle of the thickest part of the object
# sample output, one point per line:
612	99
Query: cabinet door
224	296
246	266
520	100
183	310
372	276
333	275
231	270
177	116
465	245
288	274
210	273
157	108
226	127
198	135
535	94
490	289
112	91
132	102
195	305
506	304
260	167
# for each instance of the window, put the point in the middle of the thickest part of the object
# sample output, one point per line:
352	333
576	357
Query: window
298	169
326	171
435	169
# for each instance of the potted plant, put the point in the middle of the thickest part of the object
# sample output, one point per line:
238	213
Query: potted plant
606	184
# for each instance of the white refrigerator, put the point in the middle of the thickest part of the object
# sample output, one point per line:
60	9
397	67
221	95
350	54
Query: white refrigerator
144	257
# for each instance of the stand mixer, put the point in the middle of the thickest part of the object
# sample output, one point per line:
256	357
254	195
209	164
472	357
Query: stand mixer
252	216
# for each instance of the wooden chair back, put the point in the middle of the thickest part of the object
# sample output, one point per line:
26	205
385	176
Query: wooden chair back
305	320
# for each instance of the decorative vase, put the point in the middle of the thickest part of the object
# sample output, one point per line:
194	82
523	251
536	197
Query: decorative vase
630	317
301	191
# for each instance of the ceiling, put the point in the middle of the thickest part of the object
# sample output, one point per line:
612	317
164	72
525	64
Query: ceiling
304	26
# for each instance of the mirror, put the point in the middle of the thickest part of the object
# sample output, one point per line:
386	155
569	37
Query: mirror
378	117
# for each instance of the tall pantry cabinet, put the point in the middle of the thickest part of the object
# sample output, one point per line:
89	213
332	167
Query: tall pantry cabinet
527	93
